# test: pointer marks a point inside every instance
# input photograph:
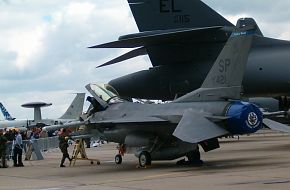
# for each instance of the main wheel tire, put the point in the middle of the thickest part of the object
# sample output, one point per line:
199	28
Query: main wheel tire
194	158
118	159
193	155
144	159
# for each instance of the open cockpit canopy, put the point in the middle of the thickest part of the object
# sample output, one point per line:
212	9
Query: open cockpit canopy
104	91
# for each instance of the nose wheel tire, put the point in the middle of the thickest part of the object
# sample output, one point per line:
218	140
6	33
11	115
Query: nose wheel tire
144	159
118	159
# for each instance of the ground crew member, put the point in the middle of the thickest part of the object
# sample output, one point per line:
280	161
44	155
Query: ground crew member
17	149
63	145
3	141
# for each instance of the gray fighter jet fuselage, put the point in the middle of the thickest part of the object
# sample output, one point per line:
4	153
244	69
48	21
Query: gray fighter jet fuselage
172	130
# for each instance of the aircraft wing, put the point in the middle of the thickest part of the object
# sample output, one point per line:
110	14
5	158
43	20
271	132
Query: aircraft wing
131	54
165	36
194	127
66	125
106	122
161	40
131	120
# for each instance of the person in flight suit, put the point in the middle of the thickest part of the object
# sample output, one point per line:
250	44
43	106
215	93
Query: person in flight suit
63	145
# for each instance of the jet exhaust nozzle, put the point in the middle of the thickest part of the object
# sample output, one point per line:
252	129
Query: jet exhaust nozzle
243	118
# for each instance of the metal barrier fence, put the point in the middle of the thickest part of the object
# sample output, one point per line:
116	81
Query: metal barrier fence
35	146
47	143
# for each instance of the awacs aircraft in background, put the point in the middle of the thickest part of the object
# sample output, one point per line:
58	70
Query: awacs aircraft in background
72	113
182	39
173	130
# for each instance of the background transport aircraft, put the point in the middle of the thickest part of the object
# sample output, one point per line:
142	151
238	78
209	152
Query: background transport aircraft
5	113
73	112
182	39
173	130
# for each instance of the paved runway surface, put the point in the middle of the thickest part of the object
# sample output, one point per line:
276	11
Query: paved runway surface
260	161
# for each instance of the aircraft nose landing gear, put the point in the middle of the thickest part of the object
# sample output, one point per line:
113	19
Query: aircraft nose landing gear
118	159
122	149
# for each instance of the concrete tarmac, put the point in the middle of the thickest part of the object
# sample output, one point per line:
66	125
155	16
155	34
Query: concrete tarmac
260	161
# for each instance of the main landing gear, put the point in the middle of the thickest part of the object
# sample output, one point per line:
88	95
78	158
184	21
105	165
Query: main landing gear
193	159
144	159
144	156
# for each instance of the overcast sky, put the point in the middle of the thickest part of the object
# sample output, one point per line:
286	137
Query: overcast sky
43	54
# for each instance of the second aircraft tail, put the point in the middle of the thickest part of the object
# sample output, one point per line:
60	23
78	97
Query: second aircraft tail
171	14
75	109
5	113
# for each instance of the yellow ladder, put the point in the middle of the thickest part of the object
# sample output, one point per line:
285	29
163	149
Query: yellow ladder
79	153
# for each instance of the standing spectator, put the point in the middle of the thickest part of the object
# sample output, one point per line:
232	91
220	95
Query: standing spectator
3	141
17	149
9	134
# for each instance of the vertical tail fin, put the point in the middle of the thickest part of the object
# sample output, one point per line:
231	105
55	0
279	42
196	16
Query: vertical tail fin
224	80
170	14
5	113
75	109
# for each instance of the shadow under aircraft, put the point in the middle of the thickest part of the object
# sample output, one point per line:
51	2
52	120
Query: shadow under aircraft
183	39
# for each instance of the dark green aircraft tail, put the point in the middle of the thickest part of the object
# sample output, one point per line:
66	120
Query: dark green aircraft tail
225	78
171	14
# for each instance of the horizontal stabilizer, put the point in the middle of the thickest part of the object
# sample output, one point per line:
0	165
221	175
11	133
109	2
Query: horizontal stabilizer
276	126
194	128
131	54
207	34
276	113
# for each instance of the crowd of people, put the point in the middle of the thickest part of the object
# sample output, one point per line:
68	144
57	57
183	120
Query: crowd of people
12	143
